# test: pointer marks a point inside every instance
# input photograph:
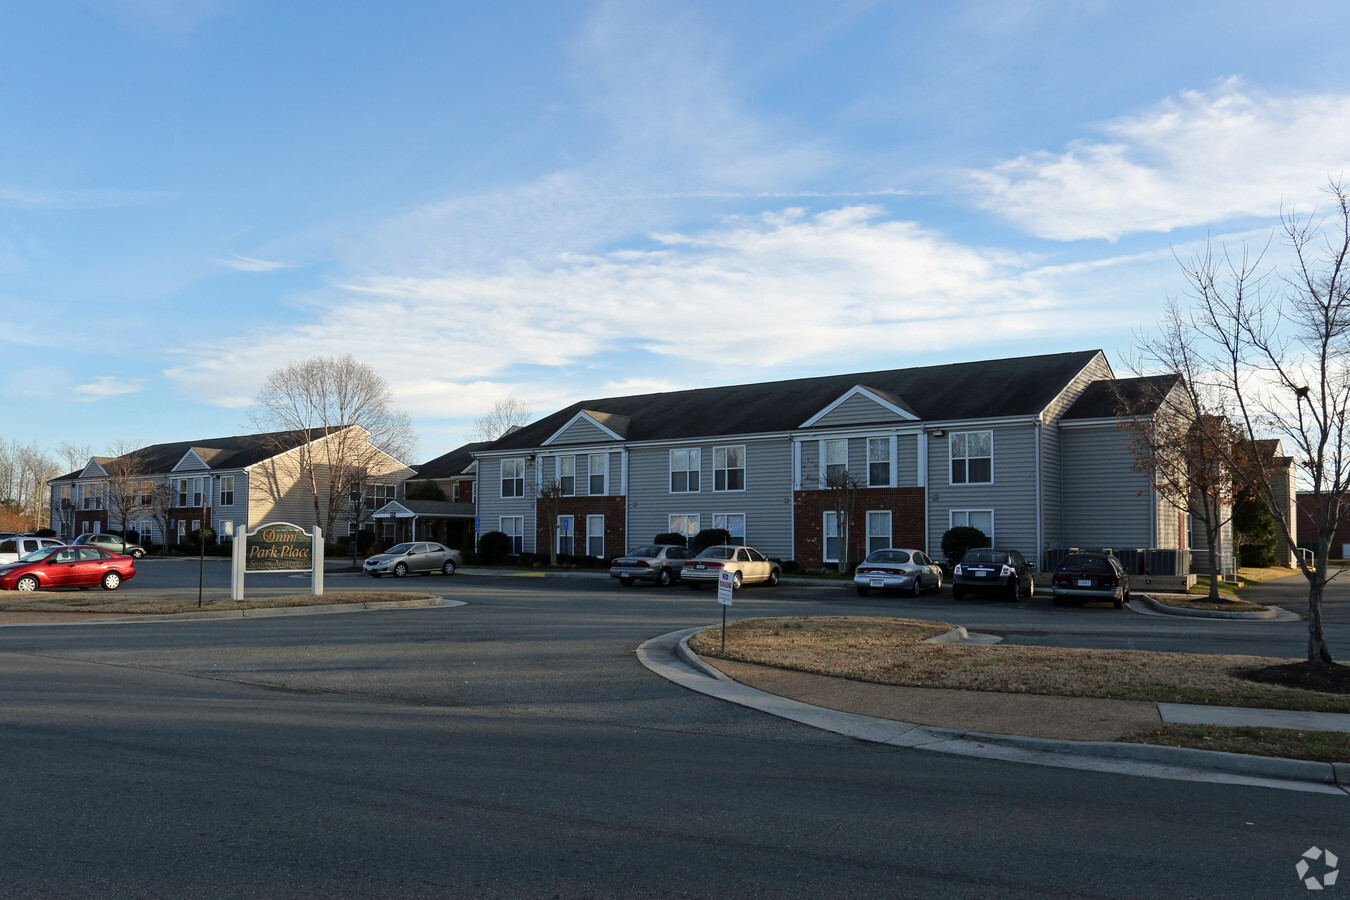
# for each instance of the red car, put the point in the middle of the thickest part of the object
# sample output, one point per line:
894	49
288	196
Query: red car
67	567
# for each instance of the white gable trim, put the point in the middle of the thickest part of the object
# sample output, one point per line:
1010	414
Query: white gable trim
191	461
393	510
582	416
859	391
92	469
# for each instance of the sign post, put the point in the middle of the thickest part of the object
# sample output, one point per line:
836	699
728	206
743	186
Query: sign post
726	584
277	547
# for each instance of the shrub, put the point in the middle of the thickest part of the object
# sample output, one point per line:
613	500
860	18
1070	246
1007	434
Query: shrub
958	540
1256	556
711	537
670	537
791	567
494	547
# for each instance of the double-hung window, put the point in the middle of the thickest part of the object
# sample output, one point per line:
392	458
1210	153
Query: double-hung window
513	478
567	476
836	461
189	492
878	530
729	468
982	519
972	454
597	468
879	462
684	469
514	528
227	490
830	538
595	536
686	525
733	524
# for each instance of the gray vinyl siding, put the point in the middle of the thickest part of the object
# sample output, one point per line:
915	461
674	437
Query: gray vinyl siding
580	432
765	502
492	505
1052	467
906	460
1102	504
857	410
1012	495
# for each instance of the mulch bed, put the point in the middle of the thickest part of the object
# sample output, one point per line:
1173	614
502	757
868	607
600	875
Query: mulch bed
1329	678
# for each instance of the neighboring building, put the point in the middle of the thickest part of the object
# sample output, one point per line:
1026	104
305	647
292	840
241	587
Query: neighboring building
228	484
438	502
1000	444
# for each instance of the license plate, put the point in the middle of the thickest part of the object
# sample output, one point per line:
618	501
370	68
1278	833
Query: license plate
700	566
1085	582
877	582
979	574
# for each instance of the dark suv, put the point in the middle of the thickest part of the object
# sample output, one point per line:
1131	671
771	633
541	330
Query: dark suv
1005	572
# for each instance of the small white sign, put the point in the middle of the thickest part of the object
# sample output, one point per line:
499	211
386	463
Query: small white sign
725	582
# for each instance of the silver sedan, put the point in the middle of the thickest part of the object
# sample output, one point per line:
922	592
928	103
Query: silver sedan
419	556
896	569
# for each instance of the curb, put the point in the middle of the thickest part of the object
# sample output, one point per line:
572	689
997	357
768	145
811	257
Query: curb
669	656
1185	612
260	613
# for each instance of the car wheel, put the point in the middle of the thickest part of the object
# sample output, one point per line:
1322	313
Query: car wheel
1121	601
27	583
112	581
400	570
736	581
773	577
448	568
1015	590
938	587
626	581
862	591
1031	588
918	587
137	554
664	578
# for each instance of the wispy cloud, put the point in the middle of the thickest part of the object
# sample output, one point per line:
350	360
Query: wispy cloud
108	386
1201	158
249	264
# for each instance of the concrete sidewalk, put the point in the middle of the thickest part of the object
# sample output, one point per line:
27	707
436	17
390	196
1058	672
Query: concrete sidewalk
1066	732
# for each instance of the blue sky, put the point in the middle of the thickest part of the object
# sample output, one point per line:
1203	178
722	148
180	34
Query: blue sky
563	200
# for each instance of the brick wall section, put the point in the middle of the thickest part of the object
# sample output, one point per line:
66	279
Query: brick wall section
615	511
905	505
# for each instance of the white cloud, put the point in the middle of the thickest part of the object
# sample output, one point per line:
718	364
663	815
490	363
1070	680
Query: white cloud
1201	158
249	264
106	386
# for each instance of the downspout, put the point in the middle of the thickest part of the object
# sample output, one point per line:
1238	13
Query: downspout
1040	509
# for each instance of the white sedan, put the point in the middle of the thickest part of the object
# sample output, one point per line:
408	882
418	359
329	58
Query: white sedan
748	564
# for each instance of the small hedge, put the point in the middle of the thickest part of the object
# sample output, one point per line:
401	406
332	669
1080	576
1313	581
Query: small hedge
958	540
711	537
670	537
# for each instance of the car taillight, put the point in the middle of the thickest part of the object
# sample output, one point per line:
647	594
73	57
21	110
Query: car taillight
1006	571
1061	578
1111	581
957	570
641	564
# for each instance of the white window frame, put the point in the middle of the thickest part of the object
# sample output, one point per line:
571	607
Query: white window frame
888	445
517	481
722	468
227	487
514	528
602	474
690	520
567	529
959	517
693	463
595	531
567	483
883	540
830	522
952	457
827	447
721	520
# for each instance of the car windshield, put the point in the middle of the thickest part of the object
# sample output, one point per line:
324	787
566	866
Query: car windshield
888	556
649	550
398	549
36	555
718	553
1098	564
985	558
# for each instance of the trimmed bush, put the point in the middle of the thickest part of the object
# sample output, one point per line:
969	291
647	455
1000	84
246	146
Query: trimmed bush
711	537
494	547
670	537
958	540
1256	556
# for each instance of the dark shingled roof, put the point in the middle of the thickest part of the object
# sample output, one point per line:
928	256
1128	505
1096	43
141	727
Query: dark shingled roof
450	464
233	452
1022	386
1103	399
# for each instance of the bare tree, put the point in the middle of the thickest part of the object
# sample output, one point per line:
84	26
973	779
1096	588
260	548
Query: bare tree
548	499
841	487
1277	344
75	456
506	414
128	486
331	421
162	506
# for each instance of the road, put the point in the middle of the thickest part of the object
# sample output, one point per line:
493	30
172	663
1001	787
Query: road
515	747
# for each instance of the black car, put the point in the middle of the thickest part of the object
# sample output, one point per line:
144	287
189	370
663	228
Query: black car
990	569
1081	577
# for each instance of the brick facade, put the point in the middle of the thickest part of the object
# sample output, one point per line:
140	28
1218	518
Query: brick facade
906	506
615	511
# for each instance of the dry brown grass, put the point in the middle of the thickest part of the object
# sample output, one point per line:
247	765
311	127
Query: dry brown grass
890	651
106	602
1193	601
